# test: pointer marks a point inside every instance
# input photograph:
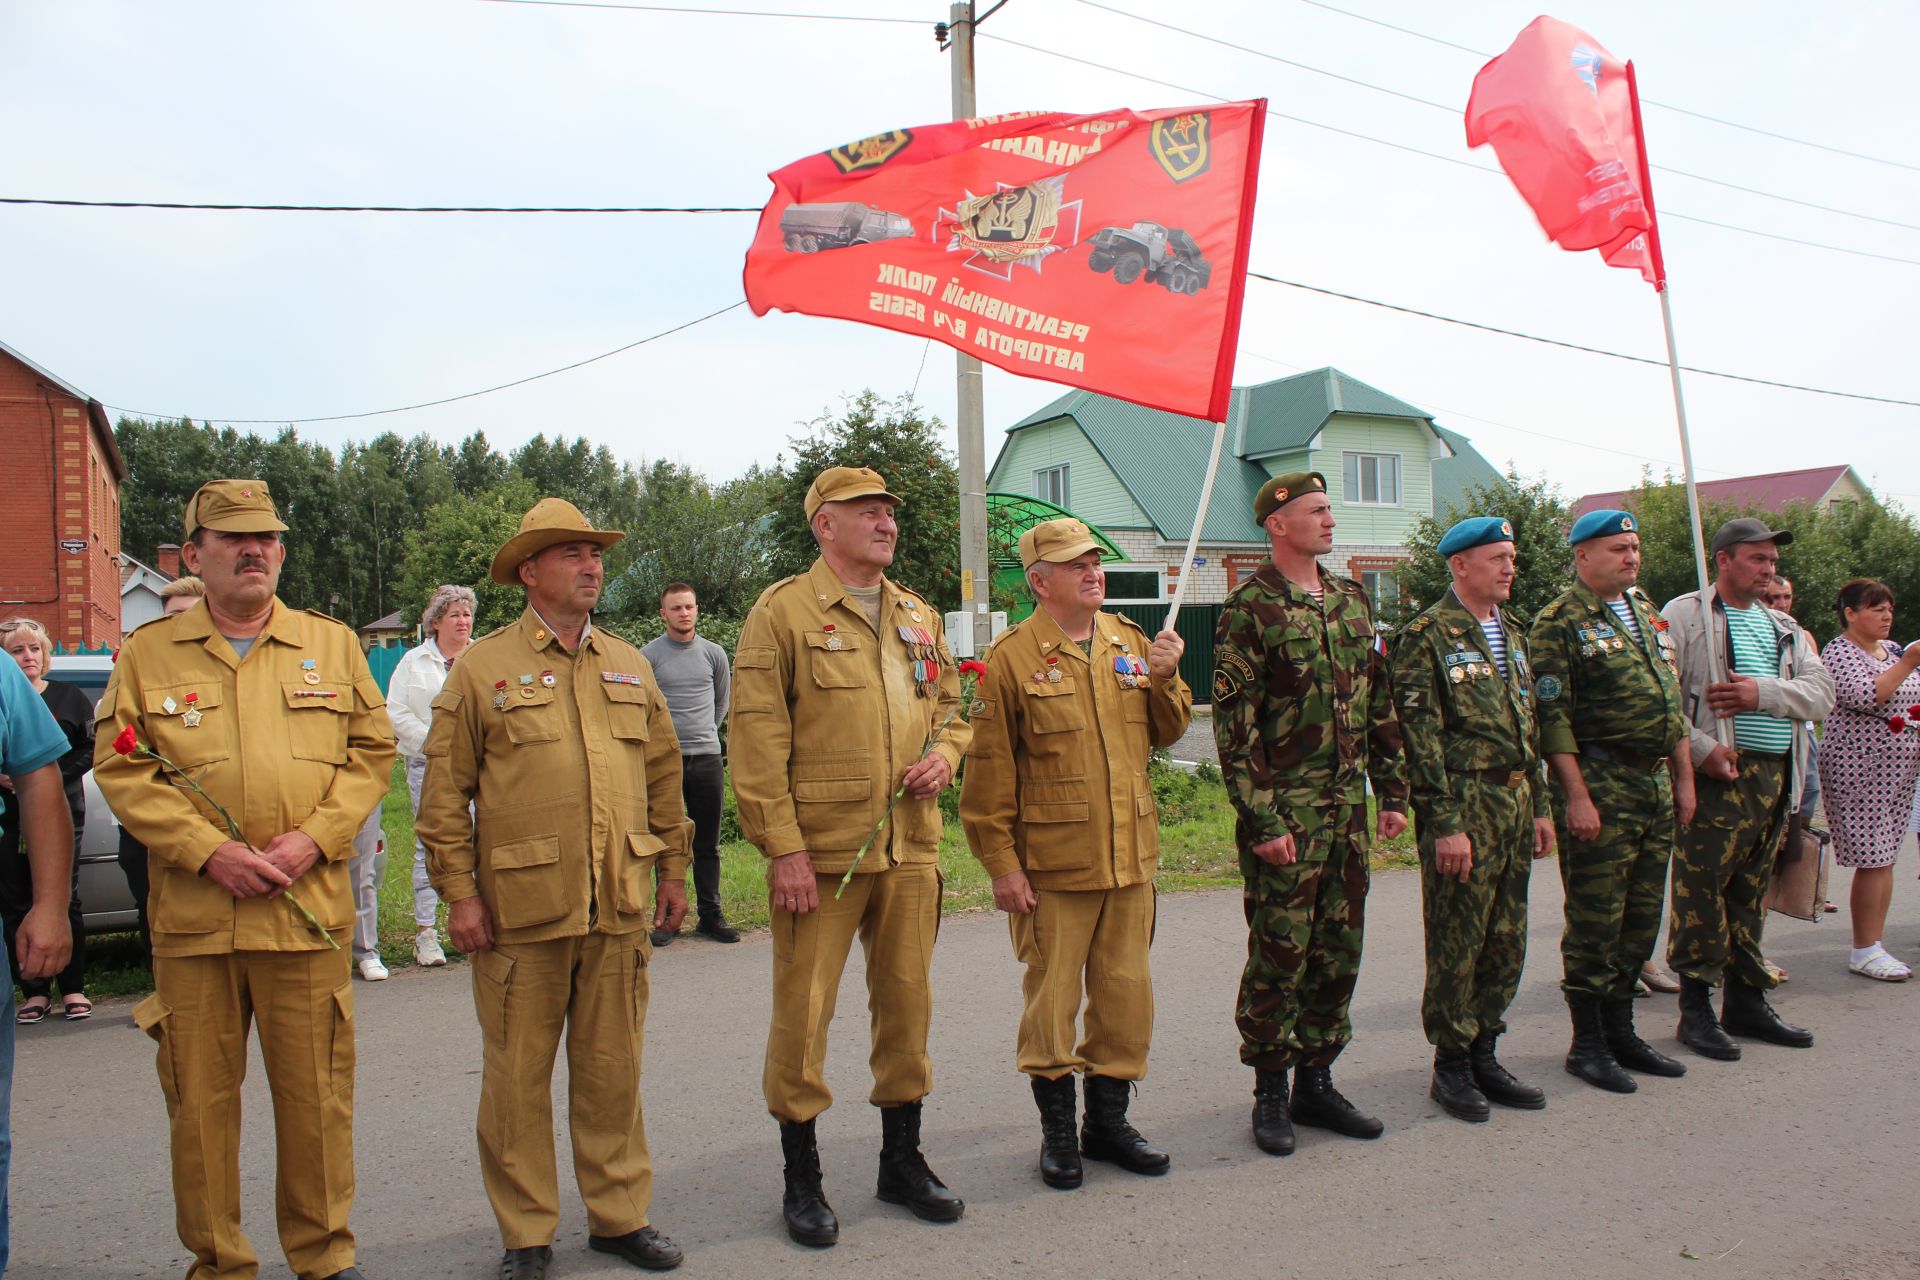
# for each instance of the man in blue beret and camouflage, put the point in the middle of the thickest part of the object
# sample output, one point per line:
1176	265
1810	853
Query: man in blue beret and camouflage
1303	719
1465	695
1616	743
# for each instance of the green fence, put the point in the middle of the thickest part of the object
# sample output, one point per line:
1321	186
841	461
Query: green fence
1195	625
382	659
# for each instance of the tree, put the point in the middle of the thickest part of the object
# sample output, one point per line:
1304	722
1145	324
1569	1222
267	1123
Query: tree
476	468
1543	563
455	542
894	439
713	539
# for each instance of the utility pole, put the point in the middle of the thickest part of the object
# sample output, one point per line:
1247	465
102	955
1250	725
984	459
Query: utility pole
972	424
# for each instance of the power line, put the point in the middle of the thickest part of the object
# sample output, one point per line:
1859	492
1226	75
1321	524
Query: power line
1576	346
1456	110
465	395
1652	102
1668	214
375	208
716	13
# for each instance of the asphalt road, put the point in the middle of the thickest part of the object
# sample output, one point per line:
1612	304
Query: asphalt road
1789	1163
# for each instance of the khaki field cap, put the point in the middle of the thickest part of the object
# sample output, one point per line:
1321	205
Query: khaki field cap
1278	491
1057	541
844	484
233	506
551	522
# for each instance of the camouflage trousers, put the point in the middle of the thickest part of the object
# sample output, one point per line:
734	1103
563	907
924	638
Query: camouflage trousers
1614	883
1304	926
1477	931
1721	866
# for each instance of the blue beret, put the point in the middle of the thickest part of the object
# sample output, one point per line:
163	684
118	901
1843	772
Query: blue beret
1598	524
1473	532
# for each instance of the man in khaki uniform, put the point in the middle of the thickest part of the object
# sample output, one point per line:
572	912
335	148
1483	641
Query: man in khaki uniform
275	714
556	733
842	679
1059	810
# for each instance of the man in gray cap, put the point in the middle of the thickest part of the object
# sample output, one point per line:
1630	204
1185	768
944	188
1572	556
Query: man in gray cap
1758	669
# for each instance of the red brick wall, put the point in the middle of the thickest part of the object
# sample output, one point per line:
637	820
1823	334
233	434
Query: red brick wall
61	485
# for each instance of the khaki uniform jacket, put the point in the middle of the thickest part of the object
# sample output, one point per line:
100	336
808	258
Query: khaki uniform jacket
1057	774
825	720
575	784
278	752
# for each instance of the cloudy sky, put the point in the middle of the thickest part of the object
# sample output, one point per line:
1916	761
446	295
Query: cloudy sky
294	316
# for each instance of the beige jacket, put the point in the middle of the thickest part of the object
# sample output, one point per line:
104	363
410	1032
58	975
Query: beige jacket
575	784
826	719
1057	775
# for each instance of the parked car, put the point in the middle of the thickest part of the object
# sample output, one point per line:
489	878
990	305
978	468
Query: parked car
106	901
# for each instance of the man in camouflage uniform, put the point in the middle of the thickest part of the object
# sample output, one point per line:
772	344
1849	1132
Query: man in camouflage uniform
1615	741
1303	717
1465	697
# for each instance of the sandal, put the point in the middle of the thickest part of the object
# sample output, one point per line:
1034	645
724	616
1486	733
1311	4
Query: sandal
1659	980
1881	967
76	1007
1828	907
30	1012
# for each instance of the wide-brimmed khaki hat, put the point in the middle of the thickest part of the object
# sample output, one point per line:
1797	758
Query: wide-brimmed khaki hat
844	484
233	506
1057	541
551	522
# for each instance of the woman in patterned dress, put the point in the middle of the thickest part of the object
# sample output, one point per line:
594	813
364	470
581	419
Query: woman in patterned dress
1869	759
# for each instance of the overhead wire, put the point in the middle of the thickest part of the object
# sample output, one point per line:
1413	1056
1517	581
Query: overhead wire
373	208
718	13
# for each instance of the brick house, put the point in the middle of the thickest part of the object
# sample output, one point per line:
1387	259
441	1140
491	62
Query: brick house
60	543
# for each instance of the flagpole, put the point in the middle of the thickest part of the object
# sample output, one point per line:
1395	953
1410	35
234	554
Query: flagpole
1716	669
1199	519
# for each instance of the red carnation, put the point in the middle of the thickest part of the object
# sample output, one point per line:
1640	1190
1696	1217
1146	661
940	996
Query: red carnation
1898	724
972	668
126	744
1913	712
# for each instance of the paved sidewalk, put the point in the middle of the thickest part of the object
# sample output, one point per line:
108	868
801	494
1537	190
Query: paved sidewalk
1790	1163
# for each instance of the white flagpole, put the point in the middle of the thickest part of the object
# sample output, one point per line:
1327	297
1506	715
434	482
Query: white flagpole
1199	519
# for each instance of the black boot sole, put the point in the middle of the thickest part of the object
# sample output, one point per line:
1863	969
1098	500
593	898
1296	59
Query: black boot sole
1344	1128
1131	1166
1063	1181
1718	1052
1623	1083
1767	1036
813	1239
1469	1113
922	1211
1664	1067
1517	1104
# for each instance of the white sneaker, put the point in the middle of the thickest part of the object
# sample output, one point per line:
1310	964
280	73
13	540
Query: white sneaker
372	970
426	950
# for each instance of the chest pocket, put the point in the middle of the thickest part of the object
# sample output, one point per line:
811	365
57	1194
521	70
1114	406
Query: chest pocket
317	717
1052	708
627	712
167	731
533	719
837	660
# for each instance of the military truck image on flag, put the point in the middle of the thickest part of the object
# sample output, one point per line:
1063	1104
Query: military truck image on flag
1168	258
809	228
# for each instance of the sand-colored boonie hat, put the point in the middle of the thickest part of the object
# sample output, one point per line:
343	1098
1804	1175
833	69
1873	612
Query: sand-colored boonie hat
1057	541
233	506
551	522
844	484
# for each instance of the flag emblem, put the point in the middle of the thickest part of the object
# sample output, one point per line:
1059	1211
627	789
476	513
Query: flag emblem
1183	145
1013	226
870	153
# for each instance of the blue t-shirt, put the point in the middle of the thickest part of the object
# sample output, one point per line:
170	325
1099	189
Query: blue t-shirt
30	737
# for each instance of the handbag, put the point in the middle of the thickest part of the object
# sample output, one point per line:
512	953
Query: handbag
1799	887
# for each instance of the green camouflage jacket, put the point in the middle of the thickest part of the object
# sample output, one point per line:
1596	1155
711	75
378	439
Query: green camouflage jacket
1302	706
1459	715
1594	685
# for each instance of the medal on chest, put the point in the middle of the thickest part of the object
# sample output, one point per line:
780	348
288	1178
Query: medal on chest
1131	672
924	655
500	695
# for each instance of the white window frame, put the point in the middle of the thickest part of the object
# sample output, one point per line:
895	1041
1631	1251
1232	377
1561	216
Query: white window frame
1044	477
1371	584
1351	463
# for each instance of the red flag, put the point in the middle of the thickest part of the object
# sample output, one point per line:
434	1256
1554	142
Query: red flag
1103	251
1559	112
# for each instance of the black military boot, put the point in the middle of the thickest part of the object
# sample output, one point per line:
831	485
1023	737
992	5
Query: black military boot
1106	1135
1626	1046
1699	1030
1059	1152
809	1217
1589	1058
1496	1081
1453	1087
1316	1102
1745	1012
904	1176
1272	1127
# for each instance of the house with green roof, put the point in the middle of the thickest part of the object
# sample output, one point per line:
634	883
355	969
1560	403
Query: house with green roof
1136	474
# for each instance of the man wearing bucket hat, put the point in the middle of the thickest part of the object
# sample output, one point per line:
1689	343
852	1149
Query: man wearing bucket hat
1759	670
1303	717
1615	740
1059	810
274	713
844	697
556	733
1465	694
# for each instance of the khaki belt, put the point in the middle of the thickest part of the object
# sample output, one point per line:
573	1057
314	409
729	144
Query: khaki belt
1503	777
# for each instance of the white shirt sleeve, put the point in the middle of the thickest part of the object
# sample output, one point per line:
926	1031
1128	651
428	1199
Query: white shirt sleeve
416	681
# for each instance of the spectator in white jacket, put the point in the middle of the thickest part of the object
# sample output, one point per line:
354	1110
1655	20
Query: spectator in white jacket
448	624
